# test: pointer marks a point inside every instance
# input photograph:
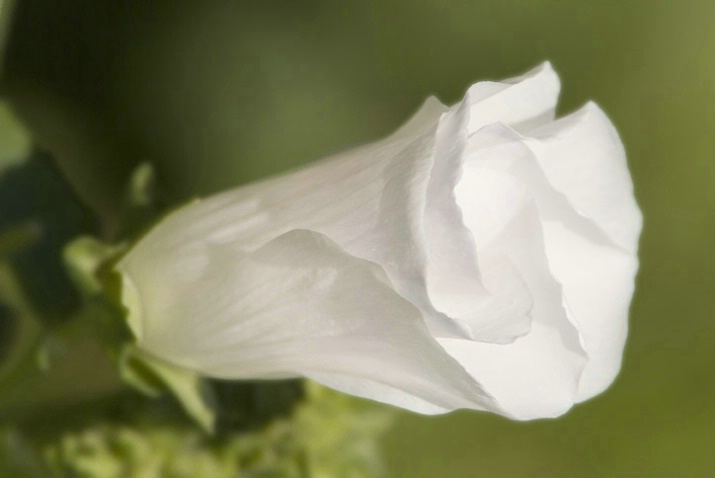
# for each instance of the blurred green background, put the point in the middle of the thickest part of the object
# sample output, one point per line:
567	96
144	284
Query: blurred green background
219	93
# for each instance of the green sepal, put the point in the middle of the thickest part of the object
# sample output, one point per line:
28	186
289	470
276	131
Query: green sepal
142	187
87	261
142	205
89	264
155	377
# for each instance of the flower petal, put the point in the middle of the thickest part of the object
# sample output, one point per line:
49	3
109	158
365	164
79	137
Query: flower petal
598	283
426	117
299	305
583	157
376	202
498	313
538	375
523	102
595	274
370	201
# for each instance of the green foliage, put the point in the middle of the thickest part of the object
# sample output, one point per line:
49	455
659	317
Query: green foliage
328	435
21	337
18	458
14	140
35	196
166	421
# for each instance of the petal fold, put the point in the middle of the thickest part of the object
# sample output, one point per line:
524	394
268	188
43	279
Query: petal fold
537	376
490	308
298	306
598	283
583	157
523	102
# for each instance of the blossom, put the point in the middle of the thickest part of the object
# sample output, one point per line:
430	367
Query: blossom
482	256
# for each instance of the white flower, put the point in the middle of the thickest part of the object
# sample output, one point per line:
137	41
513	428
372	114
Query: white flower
483	257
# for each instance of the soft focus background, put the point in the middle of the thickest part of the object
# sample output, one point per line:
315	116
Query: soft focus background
223	92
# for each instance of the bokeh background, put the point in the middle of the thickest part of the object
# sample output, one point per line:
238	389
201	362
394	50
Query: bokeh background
220	93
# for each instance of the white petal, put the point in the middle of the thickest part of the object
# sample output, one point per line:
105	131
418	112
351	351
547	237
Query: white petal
492	305
598	283
370	201
384	203
522	102
299	305
426	117
595	261
596	276
536	376
583	158
499	148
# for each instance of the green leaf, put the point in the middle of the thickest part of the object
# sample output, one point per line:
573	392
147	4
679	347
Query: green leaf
35	195
155	377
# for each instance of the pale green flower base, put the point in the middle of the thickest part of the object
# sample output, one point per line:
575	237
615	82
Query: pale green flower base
328	435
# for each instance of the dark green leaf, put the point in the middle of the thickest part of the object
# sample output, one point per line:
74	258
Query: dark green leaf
35	192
